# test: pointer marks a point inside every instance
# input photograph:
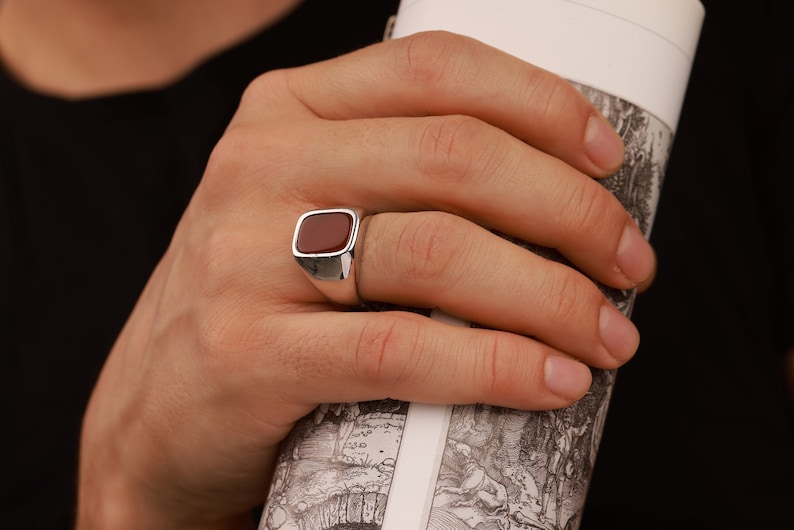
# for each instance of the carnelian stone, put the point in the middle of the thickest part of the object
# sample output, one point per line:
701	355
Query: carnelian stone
324	233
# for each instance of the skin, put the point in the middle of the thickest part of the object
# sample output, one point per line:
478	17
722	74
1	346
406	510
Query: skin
229	343
83	48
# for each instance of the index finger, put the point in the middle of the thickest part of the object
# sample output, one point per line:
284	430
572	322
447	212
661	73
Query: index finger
438	73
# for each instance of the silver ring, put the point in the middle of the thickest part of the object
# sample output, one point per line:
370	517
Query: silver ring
324	245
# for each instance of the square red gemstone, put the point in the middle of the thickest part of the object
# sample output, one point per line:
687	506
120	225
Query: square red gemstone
324	233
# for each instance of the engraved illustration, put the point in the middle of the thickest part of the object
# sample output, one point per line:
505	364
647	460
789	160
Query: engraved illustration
335	468
504	469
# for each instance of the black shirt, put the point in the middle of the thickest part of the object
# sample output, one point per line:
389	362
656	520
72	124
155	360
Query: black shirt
700	432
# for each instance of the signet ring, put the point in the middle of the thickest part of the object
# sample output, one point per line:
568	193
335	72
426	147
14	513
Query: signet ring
324	245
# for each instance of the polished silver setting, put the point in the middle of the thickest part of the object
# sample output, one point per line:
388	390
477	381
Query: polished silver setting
332	273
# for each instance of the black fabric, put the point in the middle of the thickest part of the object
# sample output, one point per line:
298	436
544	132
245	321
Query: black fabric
700	431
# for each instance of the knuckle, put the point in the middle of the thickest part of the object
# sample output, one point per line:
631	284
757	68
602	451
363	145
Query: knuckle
430	58
490	376
265	88
224	157
498	370
230	162
552	97
587	207
242	139
229	343
247	155
453	147
569	295
244	160
429	245
387	350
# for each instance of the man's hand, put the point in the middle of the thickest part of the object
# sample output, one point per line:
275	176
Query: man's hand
436	138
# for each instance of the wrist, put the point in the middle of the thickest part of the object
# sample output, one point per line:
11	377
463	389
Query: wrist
115	504
115	492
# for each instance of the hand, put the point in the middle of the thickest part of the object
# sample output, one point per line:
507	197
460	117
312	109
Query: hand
434	137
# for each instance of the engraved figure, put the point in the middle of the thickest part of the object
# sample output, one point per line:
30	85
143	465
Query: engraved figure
476	487
559	460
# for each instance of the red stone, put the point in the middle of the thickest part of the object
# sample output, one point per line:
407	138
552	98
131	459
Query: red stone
324	233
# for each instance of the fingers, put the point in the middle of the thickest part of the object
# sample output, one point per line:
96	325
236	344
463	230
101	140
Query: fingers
433	259
438	73
409	357
441	123
465	152
462	165
648	282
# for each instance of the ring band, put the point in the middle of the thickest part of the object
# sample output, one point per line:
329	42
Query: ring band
324	246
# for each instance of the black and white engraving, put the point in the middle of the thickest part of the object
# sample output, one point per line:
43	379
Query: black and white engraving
336	467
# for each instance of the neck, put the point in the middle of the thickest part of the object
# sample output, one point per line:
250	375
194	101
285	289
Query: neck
83	48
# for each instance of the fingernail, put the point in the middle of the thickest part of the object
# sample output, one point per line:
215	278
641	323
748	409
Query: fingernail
603	145
567	378
618	334
635	257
